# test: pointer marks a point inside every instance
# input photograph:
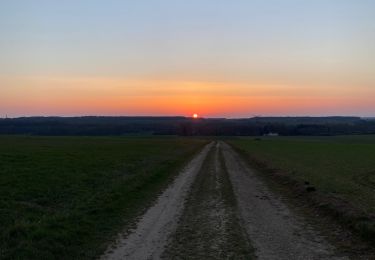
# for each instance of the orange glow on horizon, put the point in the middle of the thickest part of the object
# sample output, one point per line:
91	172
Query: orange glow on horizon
111	96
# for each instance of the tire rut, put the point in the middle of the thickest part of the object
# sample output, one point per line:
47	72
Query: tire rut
209	228
275	231
148	239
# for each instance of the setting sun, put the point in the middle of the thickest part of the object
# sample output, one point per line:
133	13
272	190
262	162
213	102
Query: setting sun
195	115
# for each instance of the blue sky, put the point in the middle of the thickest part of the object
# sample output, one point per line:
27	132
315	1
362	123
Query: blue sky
317	47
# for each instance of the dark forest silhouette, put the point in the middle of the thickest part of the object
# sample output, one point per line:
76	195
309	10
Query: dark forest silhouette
186	126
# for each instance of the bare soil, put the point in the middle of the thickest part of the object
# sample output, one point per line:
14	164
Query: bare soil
210	227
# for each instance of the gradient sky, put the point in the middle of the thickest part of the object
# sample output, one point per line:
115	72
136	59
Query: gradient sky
170	57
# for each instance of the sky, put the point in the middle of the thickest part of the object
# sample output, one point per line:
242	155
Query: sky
216	58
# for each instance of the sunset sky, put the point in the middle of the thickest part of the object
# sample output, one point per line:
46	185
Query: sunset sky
216	58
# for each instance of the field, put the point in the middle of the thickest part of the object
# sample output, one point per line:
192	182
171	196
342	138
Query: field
65	197
70	197
341	165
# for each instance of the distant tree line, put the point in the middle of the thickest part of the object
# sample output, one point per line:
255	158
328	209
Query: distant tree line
97	126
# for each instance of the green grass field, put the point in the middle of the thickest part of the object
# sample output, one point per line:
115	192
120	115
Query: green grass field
65	197
343	165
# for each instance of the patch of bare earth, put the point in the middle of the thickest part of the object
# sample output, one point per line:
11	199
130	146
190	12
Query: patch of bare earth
209	227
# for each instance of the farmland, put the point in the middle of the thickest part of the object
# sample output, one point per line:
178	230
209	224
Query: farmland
65	197
341	165
145	197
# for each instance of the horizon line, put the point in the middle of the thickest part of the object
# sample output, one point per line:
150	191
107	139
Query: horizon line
184	116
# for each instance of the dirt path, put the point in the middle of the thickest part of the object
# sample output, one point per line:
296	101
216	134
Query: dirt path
217	208
209	227
149	238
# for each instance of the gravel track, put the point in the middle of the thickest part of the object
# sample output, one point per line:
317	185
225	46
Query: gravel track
209	227
217	208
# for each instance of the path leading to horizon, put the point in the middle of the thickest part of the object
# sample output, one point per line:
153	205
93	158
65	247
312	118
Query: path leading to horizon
218	208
